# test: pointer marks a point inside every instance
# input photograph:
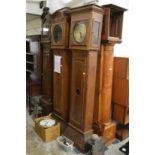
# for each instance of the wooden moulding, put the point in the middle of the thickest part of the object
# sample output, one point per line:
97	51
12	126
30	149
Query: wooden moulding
122	131
79	138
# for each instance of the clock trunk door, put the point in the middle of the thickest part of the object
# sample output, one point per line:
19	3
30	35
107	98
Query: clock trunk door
78	88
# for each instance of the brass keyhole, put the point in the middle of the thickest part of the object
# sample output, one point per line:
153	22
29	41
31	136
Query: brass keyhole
77	92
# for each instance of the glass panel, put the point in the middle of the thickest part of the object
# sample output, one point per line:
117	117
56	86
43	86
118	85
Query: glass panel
57	33
45	28
79	33
95	32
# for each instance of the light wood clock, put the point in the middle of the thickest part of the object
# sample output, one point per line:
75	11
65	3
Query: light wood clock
111	34
46	100
61	66
85	36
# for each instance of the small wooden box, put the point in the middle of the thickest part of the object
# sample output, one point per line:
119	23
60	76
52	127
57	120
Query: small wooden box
48	134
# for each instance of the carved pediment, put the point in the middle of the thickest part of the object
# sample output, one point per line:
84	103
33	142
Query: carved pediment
59	15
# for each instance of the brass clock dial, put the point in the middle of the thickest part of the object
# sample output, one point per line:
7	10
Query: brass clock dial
79	32
57	33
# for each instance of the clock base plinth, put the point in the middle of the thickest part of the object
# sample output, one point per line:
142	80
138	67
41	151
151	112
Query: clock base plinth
46	105
79	138
122	131
61	120
108	132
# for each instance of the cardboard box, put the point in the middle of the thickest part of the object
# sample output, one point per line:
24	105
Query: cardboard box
47	134
66	148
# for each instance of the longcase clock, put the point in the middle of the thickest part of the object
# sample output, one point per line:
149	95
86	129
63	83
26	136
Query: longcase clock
85	36
46	100
111	34
61	67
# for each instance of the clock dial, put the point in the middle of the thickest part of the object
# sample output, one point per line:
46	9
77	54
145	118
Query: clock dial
79	32
57	33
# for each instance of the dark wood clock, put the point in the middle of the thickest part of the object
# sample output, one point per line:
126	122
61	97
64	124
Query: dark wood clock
46	100
85	35
61	59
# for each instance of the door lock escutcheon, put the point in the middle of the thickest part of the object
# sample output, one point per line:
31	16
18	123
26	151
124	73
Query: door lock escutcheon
78	92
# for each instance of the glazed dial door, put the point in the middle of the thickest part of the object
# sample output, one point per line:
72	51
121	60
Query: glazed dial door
57	34
79	32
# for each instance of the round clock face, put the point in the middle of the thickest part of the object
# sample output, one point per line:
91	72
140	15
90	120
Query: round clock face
57	33
79	33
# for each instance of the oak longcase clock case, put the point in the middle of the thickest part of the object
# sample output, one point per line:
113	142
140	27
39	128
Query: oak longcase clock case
46	100
85	35
61	59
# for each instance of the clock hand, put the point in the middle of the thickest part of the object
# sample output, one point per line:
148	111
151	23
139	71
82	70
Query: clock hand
81	35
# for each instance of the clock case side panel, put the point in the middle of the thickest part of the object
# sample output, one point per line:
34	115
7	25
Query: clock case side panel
97	18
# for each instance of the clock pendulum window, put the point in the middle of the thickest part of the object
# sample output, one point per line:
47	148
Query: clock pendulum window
46	99
61	66
85	36
111	34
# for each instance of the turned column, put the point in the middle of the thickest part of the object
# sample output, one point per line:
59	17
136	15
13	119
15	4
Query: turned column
106	91
108	127
102	116
111	34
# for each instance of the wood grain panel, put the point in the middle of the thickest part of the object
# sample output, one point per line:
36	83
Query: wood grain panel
120	94
61	85
78	89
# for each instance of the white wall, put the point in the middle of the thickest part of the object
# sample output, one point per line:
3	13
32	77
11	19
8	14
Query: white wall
33	27
55	4
122	49
33	8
